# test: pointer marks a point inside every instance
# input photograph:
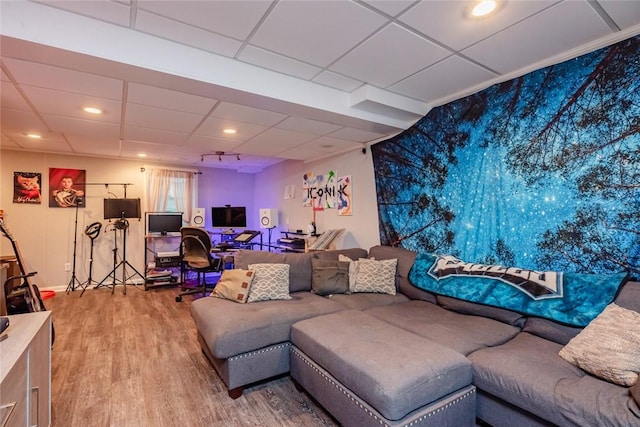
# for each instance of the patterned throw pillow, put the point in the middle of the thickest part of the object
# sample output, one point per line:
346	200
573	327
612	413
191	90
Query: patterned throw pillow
270	282
234	285
376	276
608	346
353	269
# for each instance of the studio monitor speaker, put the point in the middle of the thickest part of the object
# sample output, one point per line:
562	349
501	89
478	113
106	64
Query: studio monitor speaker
197	219
268	218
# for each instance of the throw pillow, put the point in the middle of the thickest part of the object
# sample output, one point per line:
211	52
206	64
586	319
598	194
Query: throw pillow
353	269
376	276
608	346
234	285
270	282
329	277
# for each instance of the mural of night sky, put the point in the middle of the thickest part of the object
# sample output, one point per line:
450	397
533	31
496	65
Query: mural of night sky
540	172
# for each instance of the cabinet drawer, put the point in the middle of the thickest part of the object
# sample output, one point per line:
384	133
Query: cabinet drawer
13	396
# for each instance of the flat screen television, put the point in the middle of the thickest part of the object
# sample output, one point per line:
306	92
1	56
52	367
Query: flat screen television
229	217
164	223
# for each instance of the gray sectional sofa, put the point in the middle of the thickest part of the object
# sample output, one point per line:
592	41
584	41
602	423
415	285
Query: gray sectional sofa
413	358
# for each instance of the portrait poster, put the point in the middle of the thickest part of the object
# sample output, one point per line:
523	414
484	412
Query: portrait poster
26	187
344	196
67	187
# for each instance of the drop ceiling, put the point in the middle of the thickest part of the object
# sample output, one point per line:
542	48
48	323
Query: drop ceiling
297	79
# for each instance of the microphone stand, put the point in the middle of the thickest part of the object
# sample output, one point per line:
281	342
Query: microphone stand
72	283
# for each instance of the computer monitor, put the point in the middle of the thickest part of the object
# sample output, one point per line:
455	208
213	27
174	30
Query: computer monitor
229	217
121	208
164	223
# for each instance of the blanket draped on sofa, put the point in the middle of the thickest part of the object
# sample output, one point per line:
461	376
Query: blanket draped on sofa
571	298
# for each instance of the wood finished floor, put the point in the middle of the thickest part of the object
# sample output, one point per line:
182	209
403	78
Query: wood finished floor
134	360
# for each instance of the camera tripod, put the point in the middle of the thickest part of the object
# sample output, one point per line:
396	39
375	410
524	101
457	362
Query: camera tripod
123	225
74	279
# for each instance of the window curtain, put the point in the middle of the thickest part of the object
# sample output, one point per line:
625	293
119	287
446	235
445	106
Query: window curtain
162	183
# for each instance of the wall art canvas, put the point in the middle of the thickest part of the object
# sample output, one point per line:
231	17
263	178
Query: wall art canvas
344	196
308	188
26	187
540	172
66	187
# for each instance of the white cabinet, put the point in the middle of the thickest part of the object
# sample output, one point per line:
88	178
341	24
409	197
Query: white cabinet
25	371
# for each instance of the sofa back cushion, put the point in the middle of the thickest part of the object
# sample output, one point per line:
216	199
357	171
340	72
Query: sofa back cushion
628	297
466	307
405	259
299	265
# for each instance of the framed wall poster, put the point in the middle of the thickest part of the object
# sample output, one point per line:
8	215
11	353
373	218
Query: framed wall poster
26	187
66	187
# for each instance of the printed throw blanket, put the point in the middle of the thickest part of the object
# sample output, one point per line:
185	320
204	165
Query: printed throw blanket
571	298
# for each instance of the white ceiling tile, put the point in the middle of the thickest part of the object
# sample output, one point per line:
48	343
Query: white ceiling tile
549	33
71	125
272	61
156	136
323	30
49	144
6	142
3	76
273	141
231	18
169	99
442	79
161	118
315	127
625	13
21	122
62	79
11	98
358	135
390	7
186	34
95	145
213	127
319	147
71	105
449	21
380	62
242	113
205	144
104	10
337	81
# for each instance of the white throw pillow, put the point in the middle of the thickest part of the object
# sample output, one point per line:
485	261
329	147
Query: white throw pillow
270	282
376	276
609	346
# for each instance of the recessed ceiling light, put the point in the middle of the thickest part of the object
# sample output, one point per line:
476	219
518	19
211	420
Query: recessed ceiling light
229	131
34	135
142	154
93	110
484	7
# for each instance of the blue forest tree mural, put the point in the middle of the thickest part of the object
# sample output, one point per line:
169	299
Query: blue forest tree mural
540	172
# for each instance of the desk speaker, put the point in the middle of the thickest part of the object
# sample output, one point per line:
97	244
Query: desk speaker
197	219
268	218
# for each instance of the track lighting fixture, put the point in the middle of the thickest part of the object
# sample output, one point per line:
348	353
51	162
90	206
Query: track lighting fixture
220	155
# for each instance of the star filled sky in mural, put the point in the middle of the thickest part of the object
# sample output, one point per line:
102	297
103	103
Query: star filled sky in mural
540	172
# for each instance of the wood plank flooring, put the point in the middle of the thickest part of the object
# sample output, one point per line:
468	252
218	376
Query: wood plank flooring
134	360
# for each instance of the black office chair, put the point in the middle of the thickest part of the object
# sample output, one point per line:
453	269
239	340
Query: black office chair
196	256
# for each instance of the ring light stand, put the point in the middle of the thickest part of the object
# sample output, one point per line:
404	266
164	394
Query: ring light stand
93	231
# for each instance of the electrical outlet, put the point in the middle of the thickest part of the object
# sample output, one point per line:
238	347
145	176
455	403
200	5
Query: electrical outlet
67	266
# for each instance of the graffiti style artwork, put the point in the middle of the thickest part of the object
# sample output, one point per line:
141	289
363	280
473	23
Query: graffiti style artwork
320	191
542	171
26	187
344	196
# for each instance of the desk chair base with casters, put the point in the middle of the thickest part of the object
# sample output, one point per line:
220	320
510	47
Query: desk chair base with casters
196	256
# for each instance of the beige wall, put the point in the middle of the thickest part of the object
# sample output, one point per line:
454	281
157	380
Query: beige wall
45	235
362	226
